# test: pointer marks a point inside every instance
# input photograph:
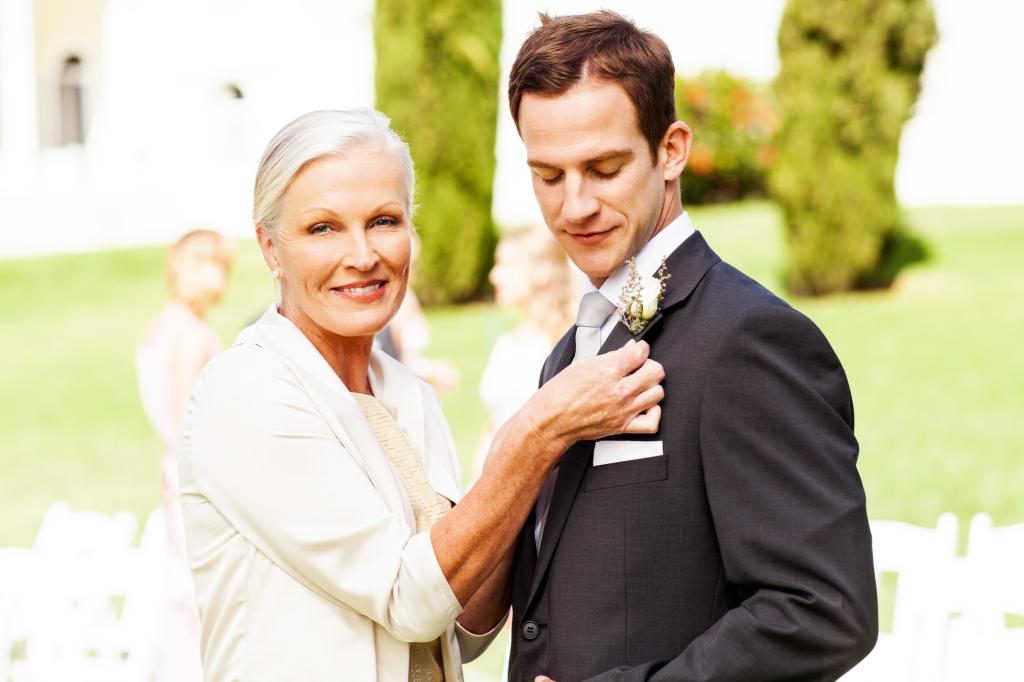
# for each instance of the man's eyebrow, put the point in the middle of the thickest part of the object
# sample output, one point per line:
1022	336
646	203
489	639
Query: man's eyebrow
610	155
600	158
533	163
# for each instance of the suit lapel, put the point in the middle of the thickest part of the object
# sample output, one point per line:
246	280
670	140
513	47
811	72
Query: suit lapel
561	356
687	264
570	474
572	466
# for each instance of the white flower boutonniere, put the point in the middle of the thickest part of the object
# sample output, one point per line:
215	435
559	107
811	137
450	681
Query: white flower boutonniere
641	296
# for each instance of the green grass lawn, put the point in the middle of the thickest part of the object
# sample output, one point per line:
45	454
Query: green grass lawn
935	367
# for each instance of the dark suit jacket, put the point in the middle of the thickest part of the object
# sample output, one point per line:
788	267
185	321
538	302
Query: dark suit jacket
743	553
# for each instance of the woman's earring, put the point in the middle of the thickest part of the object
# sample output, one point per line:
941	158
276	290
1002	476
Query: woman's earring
276	274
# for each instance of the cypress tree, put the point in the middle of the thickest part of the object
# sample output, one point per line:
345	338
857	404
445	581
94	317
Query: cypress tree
850	74
437	78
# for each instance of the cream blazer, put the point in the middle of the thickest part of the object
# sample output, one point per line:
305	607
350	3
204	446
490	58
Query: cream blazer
302	543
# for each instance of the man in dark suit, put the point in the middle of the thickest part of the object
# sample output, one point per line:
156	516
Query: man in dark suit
734	543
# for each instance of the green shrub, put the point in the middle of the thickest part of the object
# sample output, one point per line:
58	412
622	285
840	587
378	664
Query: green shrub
437	78
850	73
733	122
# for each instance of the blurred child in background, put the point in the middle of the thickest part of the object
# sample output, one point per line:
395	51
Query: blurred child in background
532	277
173	349
407	336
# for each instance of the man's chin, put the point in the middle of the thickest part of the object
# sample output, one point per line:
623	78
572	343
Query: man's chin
601	269
599	275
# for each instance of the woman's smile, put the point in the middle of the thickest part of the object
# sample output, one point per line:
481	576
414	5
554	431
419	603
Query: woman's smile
362	292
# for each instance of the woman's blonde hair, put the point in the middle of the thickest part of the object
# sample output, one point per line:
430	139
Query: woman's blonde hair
314	136
197	268
553	287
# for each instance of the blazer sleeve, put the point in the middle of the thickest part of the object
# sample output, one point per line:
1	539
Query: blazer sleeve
779	457
264	457
471	644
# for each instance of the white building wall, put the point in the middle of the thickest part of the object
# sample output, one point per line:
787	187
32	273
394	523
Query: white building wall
19	118
168	149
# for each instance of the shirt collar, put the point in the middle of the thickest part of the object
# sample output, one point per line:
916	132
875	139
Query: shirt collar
659	247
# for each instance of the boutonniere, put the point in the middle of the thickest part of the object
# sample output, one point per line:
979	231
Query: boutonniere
640	297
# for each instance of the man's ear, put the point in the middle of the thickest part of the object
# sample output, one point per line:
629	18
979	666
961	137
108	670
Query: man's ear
265	238
675	149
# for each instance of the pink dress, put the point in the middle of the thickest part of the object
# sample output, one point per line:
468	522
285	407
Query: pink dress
176	335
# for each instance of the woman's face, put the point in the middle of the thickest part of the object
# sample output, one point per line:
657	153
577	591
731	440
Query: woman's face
341	249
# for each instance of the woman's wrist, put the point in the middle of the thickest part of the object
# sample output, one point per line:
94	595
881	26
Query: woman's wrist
542	431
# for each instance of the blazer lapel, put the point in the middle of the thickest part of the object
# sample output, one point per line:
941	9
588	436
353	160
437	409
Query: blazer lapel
334	402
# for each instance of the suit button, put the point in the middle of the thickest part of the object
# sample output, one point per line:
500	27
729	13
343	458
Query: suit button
530	630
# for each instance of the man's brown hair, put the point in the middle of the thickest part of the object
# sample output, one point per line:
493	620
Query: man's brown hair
606	46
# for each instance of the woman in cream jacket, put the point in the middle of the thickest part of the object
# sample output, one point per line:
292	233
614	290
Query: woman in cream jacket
327	531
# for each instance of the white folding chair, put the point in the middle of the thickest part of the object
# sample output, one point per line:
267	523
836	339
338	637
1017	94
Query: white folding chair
982	647
16	572
85	567
923	561
142	617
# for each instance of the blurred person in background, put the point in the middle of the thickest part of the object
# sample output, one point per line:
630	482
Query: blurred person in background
173	349
531	277
318	474
407	336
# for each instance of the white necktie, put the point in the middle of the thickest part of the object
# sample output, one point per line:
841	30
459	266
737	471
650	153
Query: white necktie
594	310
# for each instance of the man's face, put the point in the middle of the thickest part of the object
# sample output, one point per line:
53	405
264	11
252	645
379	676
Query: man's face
601	194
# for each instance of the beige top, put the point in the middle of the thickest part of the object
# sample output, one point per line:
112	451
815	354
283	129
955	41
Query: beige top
425	662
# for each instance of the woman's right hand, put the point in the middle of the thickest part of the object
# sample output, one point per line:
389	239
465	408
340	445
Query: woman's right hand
617	392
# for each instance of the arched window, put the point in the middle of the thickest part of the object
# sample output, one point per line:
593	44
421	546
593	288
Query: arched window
72	124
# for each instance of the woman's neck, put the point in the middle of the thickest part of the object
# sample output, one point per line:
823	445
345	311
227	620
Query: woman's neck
348	356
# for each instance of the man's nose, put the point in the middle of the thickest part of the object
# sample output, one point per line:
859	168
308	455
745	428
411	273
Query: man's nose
579	204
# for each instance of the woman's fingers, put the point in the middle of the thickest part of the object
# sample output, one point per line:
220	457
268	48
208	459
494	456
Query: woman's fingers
629	357
649	374
645	422
650	397
600	396
630	388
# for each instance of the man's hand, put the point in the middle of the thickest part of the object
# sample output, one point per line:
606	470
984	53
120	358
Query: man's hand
542	678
